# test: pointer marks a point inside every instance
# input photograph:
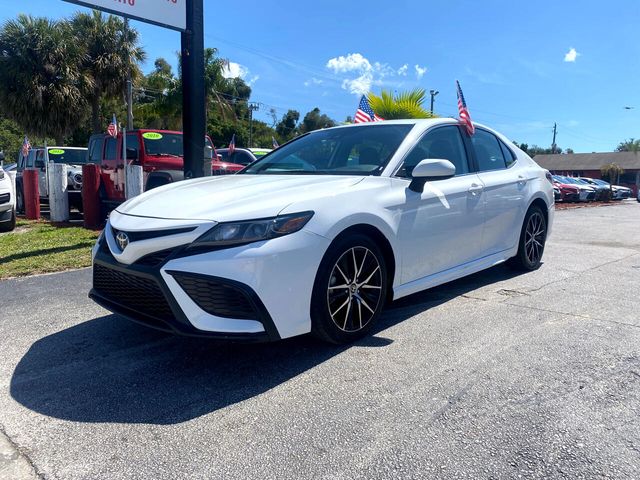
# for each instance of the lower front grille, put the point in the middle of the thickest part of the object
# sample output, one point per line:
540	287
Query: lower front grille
131	291
216	297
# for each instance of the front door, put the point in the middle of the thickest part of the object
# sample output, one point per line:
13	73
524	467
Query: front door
441	227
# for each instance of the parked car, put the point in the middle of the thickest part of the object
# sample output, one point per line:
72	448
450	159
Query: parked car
242	156
587	192
7	203
322	232
557	196
39	158
159	152
618	191
568	192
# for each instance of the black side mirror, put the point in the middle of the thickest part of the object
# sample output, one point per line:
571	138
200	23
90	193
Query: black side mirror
132	154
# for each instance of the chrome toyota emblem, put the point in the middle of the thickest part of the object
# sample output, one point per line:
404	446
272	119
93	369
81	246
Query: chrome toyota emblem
122	239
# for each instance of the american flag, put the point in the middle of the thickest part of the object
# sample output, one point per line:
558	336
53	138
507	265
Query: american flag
26	146
274	142
365	113
232	145
112	129
465	118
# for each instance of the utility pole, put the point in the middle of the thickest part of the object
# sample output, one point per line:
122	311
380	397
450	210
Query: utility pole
433	94
193	107
553	143
252	108
129	85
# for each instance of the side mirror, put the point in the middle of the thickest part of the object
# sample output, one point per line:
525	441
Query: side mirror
429	170
1	157
132	154
208	152
39	163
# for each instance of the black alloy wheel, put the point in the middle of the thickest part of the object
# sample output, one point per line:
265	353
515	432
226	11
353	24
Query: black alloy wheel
349	291
532	240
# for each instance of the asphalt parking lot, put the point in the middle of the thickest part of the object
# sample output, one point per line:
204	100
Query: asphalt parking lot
494	376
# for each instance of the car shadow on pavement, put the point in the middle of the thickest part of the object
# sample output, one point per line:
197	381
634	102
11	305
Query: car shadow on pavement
112	370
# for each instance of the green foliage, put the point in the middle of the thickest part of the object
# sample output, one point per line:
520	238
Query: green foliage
11	138
286	129
394	106
42	85
631	145
611	172
314	120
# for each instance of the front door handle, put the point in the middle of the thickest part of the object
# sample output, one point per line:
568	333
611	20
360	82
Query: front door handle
475	189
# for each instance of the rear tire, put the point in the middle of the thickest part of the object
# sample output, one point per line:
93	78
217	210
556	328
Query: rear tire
533	237
19	199
349	291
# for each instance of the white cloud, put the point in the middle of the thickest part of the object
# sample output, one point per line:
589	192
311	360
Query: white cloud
234	70
420	71
361	73
571	55
313	81
353	62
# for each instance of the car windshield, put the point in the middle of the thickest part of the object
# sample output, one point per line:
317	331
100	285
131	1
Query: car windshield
70	157
600	182
166	144
358	150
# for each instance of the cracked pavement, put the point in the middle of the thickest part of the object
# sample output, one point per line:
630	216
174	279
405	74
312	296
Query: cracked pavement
498	375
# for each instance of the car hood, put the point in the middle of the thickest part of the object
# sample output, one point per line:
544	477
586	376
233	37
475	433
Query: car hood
233	197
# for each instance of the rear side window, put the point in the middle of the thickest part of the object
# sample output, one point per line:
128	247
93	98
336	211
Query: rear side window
31	158
442	143
509	156
241	158
110	153
133	142
488	151
95	149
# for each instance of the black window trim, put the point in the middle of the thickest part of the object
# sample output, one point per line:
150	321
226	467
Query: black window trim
500	142
471	163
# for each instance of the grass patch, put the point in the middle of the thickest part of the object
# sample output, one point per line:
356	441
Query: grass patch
43	247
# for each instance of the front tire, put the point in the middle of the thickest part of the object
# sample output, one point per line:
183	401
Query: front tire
533	237
9	225
349	291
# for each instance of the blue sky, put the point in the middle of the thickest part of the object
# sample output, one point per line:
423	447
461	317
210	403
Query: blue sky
522	65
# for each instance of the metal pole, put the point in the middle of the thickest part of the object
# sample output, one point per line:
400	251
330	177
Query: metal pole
129	83
193	106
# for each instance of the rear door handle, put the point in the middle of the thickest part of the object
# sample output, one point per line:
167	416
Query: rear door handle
522	180
475	189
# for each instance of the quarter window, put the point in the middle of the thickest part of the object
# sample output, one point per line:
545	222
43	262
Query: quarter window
442	143
509	156
488	151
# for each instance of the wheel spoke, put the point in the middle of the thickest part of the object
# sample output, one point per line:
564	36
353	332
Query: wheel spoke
346	315
336	287
359	271
360	313
365	304
371	275
347	301
342	273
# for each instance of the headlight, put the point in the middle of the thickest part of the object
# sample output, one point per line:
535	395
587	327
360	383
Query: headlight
249	231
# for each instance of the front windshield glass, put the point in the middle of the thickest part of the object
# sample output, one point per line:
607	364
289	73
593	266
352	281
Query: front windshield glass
70	157
163	144
359	150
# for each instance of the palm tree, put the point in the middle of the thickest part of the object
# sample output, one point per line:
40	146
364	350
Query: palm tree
42	87
111	52
392	106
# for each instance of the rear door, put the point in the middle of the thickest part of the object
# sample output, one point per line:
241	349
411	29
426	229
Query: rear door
504	191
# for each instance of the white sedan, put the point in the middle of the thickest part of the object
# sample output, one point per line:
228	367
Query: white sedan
7	203
319	234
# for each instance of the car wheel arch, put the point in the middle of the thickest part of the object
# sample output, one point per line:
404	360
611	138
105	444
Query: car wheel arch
375	234
542	204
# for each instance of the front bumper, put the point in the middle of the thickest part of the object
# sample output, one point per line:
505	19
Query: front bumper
257	292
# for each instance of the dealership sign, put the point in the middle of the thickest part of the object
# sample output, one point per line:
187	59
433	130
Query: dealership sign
166	13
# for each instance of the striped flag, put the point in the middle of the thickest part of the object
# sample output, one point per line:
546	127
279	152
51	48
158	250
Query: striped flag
26	146
232	145
274	142
112	129
365	113
465	118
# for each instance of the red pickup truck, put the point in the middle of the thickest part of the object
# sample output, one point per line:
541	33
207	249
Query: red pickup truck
159	152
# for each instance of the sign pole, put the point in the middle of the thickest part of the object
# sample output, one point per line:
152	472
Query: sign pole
193	107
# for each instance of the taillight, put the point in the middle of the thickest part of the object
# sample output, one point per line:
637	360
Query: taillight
547	174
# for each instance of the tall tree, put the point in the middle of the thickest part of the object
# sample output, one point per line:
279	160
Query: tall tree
393	106
631	145
286	128
314	120
42	86
111	52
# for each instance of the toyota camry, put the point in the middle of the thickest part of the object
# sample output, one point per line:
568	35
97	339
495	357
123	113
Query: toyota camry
318	235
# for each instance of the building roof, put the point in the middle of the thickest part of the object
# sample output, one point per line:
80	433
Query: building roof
588	161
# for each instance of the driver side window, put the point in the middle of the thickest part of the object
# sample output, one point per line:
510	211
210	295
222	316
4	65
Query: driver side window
442	143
